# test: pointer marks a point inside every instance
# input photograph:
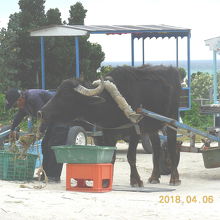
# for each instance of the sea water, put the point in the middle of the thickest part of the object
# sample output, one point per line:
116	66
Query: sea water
196	65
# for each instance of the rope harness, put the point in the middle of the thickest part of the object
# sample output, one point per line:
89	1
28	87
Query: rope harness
120	100
122	104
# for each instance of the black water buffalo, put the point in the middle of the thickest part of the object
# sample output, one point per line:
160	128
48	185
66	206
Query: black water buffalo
155	88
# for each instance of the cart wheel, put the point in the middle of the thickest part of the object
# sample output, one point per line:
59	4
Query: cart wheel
76	136
146	144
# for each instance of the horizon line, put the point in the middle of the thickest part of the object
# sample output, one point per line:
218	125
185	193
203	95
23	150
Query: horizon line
158	60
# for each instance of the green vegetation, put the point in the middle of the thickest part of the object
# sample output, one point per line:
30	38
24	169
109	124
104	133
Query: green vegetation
20	54
201	85
195	119
5	116
20	58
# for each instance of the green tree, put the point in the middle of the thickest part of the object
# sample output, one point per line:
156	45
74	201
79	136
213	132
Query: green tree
20	53
55	52
53	16
32	15
5	116
96	56
195	119
201	84
14	22
77	14
182	73
91	55
105	69
8	60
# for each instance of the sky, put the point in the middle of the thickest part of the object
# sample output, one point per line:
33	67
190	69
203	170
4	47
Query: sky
201	16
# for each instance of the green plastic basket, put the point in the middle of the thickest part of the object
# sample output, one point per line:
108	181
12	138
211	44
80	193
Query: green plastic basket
211	157
83	154
12	168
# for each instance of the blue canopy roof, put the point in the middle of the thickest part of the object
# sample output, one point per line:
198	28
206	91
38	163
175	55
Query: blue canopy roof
138	31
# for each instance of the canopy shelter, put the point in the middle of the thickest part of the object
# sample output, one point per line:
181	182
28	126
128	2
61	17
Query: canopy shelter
136	31
214	45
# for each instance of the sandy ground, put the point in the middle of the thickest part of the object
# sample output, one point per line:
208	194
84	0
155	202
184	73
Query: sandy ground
198	197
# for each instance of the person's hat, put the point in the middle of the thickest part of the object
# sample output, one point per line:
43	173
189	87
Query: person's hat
11	96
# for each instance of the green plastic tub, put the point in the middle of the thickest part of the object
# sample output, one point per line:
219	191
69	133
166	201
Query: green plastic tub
211	157
12	168
83	154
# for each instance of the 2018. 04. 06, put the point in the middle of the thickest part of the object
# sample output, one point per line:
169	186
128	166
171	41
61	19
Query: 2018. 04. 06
186	199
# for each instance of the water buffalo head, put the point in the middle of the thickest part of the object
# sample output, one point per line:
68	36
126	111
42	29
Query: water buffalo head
71	98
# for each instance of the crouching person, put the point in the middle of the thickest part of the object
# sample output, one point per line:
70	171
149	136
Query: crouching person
28	103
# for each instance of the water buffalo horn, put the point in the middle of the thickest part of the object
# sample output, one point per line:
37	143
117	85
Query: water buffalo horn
90	92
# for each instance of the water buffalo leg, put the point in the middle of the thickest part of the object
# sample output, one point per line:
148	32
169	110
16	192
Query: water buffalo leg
106	140
131	155
171	141
155	141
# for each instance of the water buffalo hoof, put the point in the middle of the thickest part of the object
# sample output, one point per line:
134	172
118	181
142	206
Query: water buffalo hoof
152	180
175	182
135	183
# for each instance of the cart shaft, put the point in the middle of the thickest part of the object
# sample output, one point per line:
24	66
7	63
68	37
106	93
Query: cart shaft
175	123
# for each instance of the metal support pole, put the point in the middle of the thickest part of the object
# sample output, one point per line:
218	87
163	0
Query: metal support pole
215	81
189	68
42	62
177	53
132	50
215	89
143	58
77	57
188	59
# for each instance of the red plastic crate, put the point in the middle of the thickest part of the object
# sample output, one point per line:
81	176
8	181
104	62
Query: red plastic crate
89	177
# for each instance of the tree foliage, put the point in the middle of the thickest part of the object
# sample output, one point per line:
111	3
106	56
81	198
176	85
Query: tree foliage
91	54
182	73
5	116
77	14
201	84
20	63
195	119
8	67
53	16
